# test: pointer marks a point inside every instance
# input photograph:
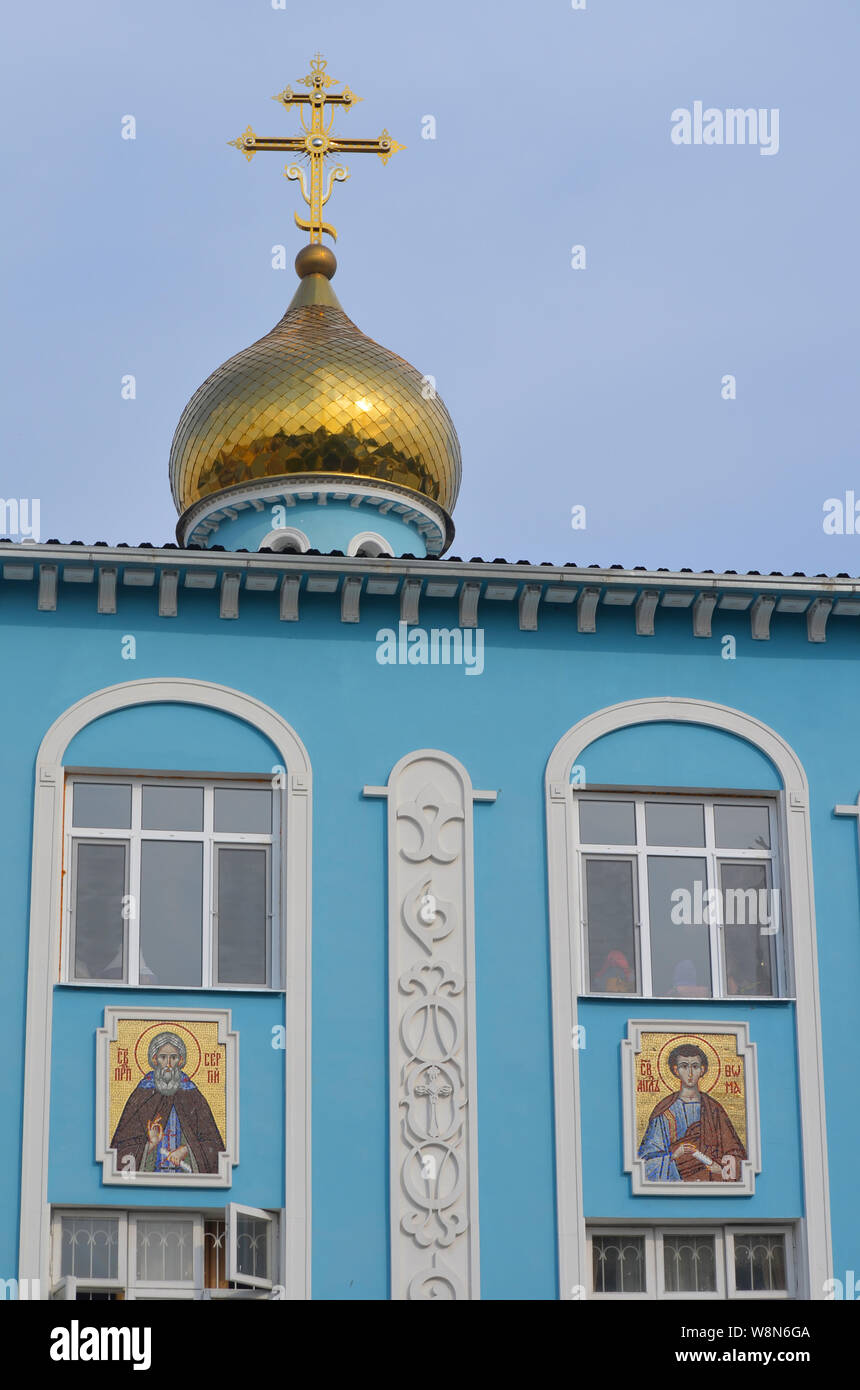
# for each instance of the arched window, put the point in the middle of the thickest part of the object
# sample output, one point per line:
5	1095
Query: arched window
625	799
286	540
369	543
136	810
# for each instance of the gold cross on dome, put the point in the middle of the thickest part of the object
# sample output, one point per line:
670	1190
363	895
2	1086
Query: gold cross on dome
317	144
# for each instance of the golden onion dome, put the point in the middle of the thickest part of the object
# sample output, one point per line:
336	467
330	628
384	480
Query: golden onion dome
315	395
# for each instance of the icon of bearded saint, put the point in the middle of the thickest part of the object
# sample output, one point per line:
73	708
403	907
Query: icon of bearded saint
166	1125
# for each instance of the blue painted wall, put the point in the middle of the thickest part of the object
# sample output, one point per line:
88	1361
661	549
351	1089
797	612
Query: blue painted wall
327	528
75	1177
677	755
357	718
178	738
606	1187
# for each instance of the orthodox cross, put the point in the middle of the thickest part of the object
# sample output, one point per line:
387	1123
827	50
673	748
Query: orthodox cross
434	1094
316	144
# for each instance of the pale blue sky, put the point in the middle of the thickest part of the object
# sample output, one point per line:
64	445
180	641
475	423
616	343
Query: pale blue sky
599	387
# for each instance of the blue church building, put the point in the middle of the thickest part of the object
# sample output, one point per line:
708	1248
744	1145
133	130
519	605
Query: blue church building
381	924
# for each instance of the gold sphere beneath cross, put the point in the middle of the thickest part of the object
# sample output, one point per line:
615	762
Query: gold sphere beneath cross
316	260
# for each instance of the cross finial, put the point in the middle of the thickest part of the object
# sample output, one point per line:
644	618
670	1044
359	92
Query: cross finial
316	144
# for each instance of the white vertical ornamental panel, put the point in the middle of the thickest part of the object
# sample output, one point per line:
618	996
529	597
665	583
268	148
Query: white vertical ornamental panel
431	963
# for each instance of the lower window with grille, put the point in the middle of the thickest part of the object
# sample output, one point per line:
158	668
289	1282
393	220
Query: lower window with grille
108	1255
751	1261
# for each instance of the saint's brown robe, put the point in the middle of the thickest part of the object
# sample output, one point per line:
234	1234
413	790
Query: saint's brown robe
199	1130
713	1134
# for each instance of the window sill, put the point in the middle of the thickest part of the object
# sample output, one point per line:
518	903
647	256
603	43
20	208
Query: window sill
169	989
705	999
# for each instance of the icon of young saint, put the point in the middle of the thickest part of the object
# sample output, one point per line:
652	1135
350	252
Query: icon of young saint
689	1137
167	1125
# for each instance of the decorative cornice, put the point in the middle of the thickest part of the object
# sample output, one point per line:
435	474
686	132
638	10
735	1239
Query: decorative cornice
534	591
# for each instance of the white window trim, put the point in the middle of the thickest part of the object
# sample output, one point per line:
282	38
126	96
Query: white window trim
650	1272
88	1214
813	1251
44	958
763	1228
232	1213
718	1234
65	1288
128	1282
713	855
164	1288
655	1279
212	841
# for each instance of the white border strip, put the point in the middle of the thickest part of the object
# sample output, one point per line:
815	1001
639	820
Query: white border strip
44	955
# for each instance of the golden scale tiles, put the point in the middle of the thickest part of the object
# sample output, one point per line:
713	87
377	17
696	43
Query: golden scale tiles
315	395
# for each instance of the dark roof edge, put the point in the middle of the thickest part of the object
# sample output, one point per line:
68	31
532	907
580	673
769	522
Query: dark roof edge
47	552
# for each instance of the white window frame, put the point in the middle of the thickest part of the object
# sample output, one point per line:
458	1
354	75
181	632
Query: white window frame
77	1280
723	1235
211	840
717	1235
620	1232
713	856
165	1288
763	1228
66	1286
232	1212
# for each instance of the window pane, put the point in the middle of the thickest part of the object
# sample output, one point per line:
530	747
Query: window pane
215	1255
689	1264
99	927
680	945
242	919
607	823
171	912
90	1247
750	914
619	1264
610	914
252	1247
164	1250
675	823
760	1263
172	808
742	827
243	812
101	805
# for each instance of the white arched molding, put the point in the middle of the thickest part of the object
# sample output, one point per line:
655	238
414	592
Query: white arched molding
284	539
369	543
44	957
814	1253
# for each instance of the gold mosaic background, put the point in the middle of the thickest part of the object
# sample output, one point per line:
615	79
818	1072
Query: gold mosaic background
314	396
721	1051
129	1052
